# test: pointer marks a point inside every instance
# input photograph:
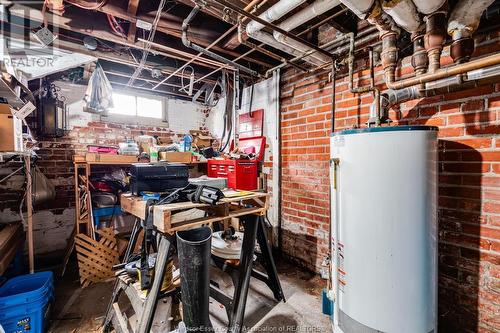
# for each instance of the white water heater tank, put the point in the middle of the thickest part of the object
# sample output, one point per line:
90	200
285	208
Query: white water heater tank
384	229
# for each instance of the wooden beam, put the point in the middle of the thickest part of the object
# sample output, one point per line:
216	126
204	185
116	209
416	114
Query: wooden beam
132	11
173	27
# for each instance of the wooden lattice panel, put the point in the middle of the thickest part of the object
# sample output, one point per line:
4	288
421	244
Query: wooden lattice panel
96	258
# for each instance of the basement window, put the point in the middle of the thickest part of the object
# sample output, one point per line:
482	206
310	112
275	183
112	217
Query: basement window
137	106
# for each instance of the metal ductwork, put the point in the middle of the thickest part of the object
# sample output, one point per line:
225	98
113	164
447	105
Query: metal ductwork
463	22
193	247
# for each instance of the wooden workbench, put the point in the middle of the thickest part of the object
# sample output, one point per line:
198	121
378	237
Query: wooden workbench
173	217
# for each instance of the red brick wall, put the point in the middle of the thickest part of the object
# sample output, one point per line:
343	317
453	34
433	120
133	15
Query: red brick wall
469	181
56	155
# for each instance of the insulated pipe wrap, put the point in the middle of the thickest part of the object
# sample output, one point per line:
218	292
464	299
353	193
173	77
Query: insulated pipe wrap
317	8
273	13
465	17
359	7
427	7
404	13
268	39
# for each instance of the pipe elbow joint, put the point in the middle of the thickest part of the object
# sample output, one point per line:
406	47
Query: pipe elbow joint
184	37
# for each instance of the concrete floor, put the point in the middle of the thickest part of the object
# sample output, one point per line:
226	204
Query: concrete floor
81	310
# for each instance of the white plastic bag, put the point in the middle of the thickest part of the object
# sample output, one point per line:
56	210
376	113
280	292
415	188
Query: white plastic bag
99	95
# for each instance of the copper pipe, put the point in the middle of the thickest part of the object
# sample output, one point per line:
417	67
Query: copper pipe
251	7
446	72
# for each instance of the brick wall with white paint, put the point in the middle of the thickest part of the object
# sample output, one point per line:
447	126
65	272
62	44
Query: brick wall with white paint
54	221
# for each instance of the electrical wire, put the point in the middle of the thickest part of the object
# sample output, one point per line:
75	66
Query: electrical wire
182	77
147	47
115	26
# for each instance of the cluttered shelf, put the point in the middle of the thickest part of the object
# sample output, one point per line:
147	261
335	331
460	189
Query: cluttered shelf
108	159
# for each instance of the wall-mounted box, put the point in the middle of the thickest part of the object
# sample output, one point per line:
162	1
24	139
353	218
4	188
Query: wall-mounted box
11	130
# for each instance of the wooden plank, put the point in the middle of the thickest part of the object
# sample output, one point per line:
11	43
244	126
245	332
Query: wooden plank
133	205
29	208
7	257
119	323
10	231
166	221
94	158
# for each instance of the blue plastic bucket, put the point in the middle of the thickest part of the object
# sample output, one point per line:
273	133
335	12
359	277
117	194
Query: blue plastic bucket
25	303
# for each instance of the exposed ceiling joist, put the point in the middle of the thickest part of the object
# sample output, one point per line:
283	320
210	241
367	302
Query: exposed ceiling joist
132	11
172	25
124	59
99	32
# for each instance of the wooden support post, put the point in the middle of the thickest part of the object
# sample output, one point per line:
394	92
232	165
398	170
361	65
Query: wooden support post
132	11
29	208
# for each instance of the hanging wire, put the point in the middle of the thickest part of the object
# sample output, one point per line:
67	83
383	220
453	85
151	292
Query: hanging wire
147	47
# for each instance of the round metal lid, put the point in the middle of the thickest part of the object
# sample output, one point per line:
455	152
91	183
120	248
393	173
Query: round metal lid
386	129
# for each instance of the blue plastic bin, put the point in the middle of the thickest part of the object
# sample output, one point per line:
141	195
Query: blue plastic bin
25	303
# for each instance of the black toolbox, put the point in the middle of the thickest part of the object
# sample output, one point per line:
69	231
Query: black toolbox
158	177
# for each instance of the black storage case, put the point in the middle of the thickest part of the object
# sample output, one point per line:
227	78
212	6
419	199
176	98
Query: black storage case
158	177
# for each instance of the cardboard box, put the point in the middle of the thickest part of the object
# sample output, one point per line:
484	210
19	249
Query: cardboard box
201	139
109	158
178	157
11	130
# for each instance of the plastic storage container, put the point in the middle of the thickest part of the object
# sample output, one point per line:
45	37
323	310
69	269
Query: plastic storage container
25	303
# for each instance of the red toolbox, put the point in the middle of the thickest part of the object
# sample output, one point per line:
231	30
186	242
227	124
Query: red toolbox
241	174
